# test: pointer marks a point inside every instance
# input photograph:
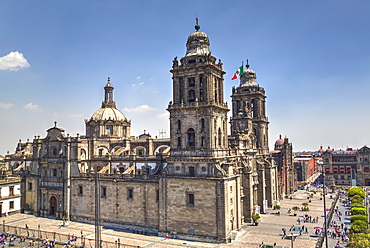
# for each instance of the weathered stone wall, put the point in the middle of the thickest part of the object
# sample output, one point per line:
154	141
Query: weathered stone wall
116	206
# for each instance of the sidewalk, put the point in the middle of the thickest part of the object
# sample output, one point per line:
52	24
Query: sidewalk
268	232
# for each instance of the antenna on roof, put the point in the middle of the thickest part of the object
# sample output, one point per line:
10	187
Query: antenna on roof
247	64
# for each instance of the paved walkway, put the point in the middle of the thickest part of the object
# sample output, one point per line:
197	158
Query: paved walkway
268	232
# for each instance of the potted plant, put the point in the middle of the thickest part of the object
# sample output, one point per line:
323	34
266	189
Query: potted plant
255	218
277	207
295	208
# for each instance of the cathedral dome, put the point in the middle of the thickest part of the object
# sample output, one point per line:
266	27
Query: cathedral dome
279	143
108	114
198	43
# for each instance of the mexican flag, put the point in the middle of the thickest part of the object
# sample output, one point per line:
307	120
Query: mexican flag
238	73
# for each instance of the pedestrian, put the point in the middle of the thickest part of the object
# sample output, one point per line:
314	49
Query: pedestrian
306	230
284	232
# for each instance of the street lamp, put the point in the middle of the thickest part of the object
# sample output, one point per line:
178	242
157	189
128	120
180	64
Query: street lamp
292	238
325	221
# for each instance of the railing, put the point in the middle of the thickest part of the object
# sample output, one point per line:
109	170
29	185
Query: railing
329	218
120	176
37	236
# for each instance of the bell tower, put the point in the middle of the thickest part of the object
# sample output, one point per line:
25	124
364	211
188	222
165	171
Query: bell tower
249	113
198	113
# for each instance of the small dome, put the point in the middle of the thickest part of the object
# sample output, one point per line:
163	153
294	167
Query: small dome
321	150
197	44
279	142
108	113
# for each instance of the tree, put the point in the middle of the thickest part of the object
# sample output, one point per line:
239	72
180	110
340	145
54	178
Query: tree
356	191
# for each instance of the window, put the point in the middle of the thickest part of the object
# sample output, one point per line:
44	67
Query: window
11	190
179	142
201	97
191	96
100	152
190	199
80	190
179	125
231	201
191	171
141	152
103	192
191	81
109	130
200	80
219	136
130	193
366	169
191	137
29	186
11	205
54	152
157	196
55	172
231	189
202	125
202	141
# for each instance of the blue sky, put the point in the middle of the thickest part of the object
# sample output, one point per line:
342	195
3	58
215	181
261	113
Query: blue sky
312	58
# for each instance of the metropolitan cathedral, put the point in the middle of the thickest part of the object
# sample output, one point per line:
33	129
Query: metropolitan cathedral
202	183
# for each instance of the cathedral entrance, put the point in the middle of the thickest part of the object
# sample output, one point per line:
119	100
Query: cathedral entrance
53	205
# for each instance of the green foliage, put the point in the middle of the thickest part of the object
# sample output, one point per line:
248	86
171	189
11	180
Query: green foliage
295	208
277	207
358	226
356	191
360	243
306	209
357	205
305	204
256	217
357	199
358	211
358	217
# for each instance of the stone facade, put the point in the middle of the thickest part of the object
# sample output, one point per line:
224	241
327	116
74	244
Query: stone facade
347	167
201	183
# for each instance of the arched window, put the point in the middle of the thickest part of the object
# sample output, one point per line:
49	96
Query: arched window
202	141
178	142
179	125
191	137
219	136
202	126
191	97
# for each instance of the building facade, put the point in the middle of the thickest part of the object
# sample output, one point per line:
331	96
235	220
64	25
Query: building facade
201	183
347	167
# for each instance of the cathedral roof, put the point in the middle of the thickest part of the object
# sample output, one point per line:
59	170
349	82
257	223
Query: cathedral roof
108	114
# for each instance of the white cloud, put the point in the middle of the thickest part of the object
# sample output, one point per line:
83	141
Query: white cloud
165	116
141	109
6	105
138	77
133	85
14	61
33	107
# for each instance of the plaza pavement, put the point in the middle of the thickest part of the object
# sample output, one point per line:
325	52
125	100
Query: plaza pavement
268	232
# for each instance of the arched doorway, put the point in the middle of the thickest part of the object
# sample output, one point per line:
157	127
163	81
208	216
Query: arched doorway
53	205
